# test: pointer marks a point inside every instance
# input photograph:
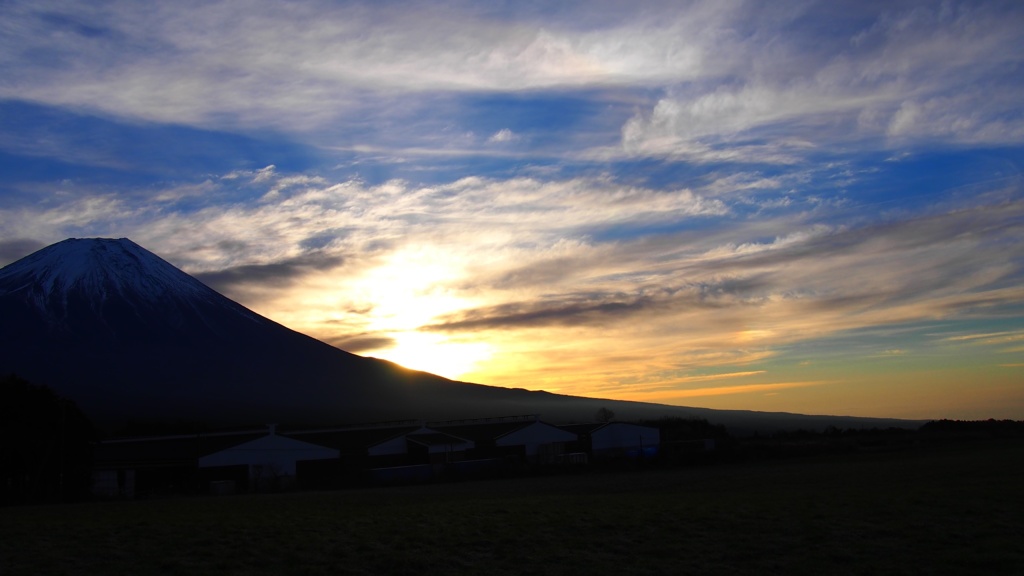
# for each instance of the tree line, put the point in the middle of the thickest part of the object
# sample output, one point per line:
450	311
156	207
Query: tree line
45	445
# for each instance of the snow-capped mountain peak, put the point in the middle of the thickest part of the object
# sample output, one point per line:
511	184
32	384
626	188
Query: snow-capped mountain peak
97	266
102	287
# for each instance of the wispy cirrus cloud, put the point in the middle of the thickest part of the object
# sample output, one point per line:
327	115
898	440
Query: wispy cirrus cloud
327	54
588	197
506	260
271	274
732	74
936	72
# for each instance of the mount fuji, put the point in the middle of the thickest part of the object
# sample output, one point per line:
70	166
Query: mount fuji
130	338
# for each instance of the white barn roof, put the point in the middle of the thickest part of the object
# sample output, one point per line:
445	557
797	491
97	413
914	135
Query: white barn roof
279	451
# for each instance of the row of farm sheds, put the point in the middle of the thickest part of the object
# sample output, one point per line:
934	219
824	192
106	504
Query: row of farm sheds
272	459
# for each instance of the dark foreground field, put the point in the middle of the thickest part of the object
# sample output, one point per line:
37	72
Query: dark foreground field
955	509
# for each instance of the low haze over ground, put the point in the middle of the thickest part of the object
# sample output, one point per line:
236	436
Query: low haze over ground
796	206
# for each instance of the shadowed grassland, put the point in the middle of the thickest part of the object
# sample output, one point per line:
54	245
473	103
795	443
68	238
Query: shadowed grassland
955	509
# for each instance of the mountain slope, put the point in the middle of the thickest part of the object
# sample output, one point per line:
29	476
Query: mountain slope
129	337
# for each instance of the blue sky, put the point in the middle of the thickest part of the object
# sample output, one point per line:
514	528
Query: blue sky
802	206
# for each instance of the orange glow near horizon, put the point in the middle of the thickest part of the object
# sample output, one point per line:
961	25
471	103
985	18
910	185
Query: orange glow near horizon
724	365
821	214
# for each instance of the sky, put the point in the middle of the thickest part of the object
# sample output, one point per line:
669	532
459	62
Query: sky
798	206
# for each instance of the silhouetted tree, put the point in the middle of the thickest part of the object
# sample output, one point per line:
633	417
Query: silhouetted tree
990	428
674	428
604	414
45	445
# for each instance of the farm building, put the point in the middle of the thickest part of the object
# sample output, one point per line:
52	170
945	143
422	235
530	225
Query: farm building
233	461
126	467
388	443
267	463
609	440
525	437
388	452
382	442
438	447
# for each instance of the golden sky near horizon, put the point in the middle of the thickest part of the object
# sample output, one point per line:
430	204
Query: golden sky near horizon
810	207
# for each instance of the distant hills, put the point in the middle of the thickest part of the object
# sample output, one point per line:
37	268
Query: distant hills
131	338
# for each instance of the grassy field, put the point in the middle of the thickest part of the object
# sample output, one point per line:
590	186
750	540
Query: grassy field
956	509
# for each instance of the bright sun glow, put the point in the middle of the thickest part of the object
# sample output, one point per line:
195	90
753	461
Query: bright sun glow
411	289
435	354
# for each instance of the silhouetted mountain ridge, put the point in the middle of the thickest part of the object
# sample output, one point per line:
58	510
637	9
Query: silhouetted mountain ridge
129	337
